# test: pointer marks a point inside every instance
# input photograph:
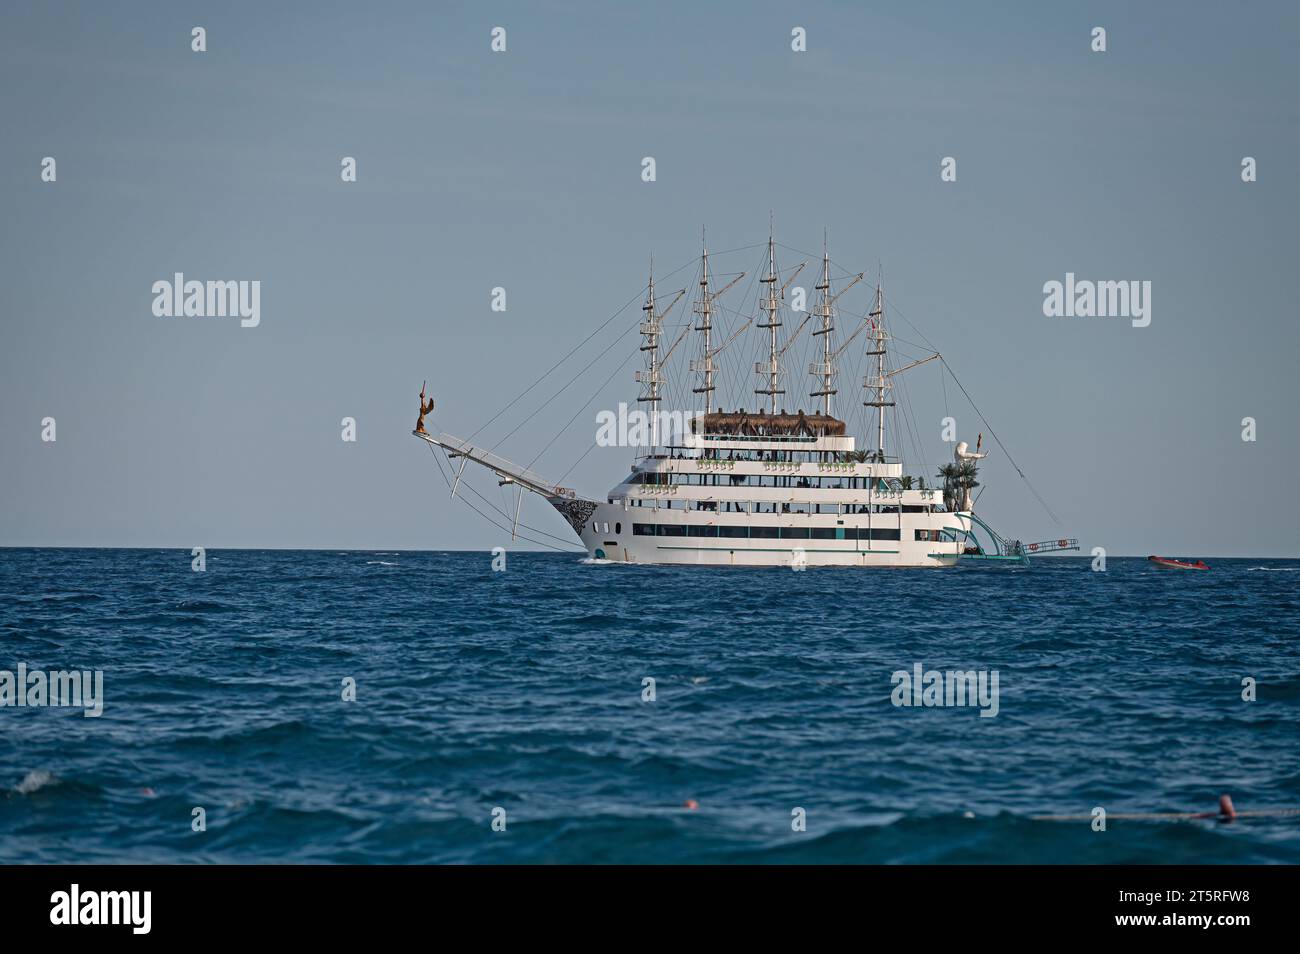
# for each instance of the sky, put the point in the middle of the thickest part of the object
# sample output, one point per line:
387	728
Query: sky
523	170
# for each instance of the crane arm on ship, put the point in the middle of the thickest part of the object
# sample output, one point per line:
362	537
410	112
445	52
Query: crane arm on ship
734	335
669	353
909	367
791	279
676	298
836	297
794	335
714	296
849	340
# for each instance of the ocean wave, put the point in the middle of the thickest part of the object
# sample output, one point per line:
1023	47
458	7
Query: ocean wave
34	781
205	606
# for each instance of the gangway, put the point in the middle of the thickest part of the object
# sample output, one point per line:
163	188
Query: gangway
1000	549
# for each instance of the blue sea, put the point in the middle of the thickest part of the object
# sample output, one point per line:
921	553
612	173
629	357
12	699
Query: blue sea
520	695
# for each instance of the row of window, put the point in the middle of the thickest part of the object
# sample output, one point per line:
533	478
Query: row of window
750	506
760	480
769	533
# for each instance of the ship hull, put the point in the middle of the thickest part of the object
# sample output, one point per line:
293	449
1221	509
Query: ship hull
644	536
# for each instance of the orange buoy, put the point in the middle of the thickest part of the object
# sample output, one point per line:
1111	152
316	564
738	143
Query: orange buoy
691	804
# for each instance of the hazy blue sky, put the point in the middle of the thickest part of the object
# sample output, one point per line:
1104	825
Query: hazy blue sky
522	170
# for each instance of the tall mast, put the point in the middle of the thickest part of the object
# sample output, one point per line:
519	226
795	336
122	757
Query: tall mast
772	367
652	377
879	382
827	367
704	308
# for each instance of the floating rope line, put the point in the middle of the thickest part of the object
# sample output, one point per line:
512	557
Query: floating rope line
1226	813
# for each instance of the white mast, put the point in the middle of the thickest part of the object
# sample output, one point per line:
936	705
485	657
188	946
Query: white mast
879	382
704	308
772	367
652	377
827	367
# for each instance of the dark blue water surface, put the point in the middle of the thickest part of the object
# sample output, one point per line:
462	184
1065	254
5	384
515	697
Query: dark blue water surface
522	690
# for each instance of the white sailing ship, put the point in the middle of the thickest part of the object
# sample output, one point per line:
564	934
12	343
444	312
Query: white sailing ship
766	487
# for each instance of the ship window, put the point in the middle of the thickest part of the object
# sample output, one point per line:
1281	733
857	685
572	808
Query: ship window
698	531
767	532
733	531
643	529
618	528
880	533
823	533
671	530
791	533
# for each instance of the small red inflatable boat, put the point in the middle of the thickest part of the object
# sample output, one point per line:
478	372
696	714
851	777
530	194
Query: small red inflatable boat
1169	564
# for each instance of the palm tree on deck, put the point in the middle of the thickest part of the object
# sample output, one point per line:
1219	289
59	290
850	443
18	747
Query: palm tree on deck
966	482
948	473
958	482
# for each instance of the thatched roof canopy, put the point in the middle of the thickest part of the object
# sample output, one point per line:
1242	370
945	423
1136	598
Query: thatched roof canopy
762	424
